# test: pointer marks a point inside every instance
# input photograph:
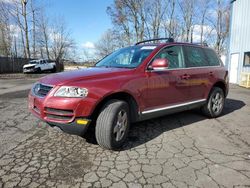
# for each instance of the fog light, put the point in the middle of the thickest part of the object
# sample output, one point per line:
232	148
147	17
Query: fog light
82	121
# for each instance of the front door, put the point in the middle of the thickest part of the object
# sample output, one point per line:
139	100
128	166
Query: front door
167	88
233	75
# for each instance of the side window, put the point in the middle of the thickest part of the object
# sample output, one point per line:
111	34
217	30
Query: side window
212	58
195	57
174	55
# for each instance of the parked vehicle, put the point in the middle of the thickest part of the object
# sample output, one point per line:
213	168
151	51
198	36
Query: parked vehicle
132	84
39	66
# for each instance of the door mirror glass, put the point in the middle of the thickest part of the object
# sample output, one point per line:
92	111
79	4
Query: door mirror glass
159	64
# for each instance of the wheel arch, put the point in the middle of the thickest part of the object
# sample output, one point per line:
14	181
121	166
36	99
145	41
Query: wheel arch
221	85
133	106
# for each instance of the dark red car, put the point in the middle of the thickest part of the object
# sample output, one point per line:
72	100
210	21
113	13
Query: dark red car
132	84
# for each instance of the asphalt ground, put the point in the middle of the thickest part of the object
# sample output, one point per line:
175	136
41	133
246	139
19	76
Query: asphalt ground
179	150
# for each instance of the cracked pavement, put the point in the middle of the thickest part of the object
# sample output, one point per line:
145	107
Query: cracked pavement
180	150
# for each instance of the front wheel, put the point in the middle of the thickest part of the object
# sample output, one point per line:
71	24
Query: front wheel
215	103
112	124
39	70
54	69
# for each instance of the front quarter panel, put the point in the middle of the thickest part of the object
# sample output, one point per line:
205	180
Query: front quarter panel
99	89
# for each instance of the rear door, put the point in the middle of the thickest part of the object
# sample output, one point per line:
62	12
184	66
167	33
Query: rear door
198	72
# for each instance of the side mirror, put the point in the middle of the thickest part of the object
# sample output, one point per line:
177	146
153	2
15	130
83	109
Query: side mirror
159	64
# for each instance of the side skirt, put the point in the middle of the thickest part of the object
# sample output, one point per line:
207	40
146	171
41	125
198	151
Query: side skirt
157	112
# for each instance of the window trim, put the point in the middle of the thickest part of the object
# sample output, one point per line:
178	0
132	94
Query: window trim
244	65
151	60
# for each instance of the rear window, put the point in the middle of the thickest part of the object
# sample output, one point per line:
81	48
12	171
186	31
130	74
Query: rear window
195	57
212	58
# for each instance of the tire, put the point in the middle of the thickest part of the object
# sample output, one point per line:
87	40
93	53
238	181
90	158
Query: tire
39	70
54	69
215	103
112	124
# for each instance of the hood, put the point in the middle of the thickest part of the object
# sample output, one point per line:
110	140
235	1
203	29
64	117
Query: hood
29	65
82	74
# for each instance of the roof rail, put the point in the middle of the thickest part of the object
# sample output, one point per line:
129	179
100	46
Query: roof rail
157	39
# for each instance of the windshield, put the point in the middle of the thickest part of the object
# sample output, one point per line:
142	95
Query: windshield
34	62
129	57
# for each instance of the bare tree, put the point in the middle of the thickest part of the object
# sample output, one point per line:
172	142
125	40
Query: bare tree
222	24
106	45
187	12
34	29
128	15
154	13
171	29
5	38
61	42
120	20
202	15
43	37
26	27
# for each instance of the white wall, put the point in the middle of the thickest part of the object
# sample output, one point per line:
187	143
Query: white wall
240	32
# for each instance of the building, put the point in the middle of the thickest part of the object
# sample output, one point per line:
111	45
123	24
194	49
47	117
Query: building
239	41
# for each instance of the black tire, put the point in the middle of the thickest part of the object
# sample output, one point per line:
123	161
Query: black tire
39	70
54	69
112	124
215	103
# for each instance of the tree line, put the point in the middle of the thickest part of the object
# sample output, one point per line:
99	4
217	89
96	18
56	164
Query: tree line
27	31
202	21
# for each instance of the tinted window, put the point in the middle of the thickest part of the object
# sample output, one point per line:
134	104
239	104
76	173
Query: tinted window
195	57
212	58
174	56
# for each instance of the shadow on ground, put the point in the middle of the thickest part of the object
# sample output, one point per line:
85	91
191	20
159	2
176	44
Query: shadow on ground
142	132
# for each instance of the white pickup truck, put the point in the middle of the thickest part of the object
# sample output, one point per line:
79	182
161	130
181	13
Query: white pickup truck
39	66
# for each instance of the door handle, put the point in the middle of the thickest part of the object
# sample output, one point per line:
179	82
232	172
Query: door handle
185	76
211	73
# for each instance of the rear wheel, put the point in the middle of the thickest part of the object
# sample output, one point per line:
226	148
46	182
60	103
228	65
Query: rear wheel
215	103
112	124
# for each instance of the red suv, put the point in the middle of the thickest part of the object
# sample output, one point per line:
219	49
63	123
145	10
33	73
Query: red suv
132	84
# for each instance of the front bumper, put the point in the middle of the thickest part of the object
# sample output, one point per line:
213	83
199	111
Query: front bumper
28	70
67	114
72	128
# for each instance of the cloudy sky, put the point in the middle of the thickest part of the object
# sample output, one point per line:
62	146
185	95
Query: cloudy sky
87	20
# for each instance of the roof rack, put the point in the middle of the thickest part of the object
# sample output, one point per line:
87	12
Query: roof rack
157	39
201	44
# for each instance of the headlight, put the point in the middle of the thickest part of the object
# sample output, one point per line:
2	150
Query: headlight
66	91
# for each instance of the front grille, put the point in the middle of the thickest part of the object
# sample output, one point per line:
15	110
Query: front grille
58	111
41	90
58	114
29	68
